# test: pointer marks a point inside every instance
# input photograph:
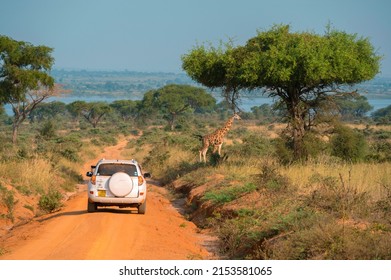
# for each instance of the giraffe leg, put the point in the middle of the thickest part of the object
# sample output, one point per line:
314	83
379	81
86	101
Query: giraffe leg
220	149
204	154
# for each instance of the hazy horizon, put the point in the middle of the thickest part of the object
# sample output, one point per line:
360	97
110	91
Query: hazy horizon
152	35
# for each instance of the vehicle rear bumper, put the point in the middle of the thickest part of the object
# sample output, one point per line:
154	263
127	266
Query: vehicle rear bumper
117	201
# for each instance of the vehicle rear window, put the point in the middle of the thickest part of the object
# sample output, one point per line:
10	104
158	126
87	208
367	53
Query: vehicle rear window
110	169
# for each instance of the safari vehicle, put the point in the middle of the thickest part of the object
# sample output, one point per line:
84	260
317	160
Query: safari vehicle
117	183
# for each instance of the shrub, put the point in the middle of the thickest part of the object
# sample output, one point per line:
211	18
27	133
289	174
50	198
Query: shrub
229	193
50	201
348	144
48	130
283	151
271	179
7	197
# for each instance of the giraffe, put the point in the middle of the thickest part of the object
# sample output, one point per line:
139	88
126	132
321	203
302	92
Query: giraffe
216	138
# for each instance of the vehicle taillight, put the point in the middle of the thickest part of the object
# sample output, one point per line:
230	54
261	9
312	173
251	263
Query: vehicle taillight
93	179
140	180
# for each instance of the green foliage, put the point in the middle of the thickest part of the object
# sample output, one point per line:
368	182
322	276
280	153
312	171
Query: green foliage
271	180
23	67
127	109
337	196
227	194
48	111
48	130
174	100
348	144
352	106
382	115
7	197
283	150
50	201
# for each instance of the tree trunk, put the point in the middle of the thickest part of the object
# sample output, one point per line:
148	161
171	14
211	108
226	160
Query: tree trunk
297	120
298	136
171	121
14	133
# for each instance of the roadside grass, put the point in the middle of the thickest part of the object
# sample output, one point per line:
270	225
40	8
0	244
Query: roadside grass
228	194
321	209
30	176
372	178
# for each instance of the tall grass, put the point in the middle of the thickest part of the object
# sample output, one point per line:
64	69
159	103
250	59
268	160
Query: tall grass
364	177
30	176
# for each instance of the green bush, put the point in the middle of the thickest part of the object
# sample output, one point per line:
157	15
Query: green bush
50	201
228	194
348	144
270	178
7	197
48	130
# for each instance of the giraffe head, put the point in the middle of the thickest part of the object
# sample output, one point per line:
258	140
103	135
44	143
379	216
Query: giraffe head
236	117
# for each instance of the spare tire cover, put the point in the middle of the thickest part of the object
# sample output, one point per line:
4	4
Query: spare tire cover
120	184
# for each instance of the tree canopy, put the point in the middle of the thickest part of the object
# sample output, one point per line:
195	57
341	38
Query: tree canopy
24	77
24	67
174	100
302	69
93	112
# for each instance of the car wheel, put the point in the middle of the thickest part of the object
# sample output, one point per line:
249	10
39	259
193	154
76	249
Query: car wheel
142	208
91	207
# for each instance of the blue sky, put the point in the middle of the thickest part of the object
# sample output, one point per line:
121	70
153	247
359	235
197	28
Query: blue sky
152	35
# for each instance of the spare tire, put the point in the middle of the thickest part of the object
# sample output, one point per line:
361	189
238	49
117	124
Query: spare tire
120	184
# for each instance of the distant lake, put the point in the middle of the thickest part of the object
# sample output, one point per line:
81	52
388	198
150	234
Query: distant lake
245	104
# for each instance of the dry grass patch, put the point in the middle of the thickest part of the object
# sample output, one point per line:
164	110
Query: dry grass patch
364	177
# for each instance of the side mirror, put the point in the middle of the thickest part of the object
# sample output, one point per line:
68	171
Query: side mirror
147	175
89	174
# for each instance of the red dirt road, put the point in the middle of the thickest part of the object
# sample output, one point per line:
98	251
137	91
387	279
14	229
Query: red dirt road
109	233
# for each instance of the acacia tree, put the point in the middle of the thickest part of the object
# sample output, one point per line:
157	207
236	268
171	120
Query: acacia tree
304	70
174	100
127	109
93	112
24	78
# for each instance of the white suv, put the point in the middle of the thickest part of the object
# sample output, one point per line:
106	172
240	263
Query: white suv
117	183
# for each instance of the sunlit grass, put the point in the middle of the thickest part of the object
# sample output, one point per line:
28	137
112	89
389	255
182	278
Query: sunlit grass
364	177
32	175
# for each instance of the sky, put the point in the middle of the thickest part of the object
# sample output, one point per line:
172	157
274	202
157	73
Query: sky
152	35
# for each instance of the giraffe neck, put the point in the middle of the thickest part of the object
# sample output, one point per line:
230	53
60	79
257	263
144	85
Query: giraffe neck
227	126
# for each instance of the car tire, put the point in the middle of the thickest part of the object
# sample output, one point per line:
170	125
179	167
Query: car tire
142	208
120	184
91	207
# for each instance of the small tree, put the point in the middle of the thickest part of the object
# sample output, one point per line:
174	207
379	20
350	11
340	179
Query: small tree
127	109
22	108
48	111
353	106
174	100
348	144
382	115
24	78
95	112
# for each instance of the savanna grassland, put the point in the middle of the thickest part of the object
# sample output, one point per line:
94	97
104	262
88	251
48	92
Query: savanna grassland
261	207
334	204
